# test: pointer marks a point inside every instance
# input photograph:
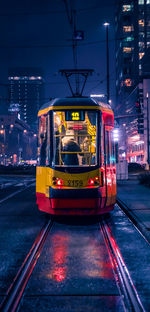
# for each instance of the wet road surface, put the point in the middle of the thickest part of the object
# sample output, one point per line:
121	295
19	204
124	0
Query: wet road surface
73	273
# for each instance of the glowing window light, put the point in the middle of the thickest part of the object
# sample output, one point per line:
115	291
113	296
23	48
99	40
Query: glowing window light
127	28
97	95
141	22
116	135
141	55
128	39
127	49
128	82
126	8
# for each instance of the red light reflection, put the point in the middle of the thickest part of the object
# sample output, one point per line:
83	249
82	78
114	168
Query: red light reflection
59	257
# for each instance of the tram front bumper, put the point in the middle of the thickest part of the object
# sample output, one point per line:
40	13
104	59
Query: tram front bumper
85	198
89	192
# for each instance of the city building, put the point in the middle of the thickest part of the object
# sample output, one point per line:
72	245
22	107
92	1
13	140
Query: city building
132	43
26	89
132	22
18	143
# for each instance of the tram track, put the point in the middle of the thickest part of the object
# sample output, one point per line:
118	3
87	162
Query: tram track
127	290
133	219
16	289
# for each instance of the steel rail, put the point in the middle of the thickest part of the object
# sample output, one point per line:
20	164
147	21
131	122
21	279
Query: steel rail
129	294
14	293
133	219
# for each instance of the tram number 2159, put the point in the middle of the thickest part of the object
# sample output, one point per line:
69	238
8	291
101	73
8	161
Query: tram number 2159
75	183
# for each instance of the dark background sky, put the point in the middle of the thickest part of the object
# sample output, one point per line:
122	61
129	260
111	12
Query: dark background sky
37	34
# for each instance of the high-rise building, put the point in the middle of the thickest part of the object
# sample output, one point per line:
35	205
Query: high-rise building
132	42
26	89
132	39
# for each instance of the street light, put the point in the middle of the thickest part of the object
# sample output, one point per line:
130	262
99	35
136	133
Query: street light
106	24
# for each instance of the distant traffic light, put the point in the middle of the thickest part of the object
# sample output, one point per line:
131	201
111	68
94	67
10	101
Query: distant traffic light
138	107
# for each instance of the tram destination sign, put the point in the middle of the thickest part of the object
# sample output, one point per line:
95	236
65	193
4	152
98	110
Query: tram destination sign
74	115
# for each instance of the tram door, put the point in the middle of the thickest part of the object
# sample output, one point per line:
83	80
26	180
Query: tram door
108	166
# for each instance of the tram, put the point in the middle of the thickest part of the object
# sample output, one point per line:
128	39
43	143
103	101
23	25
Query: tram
76	173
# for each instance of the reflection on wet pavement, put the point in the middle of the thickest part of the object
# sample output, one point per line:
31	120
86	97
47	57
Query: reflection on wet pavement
59	250
74	269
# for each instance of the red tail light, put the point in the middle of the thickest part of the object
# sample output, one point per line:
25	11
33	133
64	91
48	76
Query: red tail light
59	182
90	182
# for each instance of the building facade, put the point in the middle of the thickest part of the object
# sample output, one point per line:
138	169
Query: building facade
132	39
132	43
18	143
26	89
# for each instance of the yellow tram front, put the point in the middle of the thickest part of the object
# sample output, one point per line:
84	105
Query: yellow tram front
69	176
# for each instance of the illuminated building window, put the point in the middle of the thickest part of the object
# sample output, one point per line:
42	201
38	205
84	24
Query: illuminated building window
148	44
126	8
141	55
140	66
127	49
141	1
128	39
128	82
141	44
141	22
148	2
141	34
127	28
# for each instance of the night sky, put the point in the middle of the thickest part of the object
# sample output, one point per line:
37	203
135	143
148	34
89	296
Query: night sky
38	34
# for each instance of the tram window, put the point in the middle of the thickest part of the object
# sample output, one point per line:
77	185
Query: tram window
43	138
112	149
107	148
75	141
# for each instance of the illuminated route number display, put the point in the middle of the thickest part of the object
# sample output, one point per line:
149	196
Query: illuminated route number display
74	115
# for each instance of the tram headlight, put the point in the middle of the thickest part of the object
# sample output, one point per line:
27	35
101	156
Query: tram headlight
57	181
91	182
94	181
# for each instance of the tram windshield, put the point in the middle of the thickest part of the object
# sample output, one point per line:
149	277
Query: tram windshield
75	138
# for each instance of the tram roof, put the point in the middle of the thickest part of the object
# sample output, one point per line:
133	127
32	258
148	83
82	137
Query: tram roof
72	102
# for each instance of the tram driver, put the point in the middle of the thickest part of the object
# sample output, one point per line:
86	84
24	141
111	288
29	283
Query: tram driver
71	146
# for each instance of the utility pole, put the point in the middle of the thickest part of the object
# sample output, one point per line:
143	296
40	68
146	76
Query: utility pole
107	58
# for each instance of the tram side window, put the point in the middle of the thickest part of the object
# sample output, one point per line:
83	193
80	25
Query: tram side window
107	148
43	154
112	149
